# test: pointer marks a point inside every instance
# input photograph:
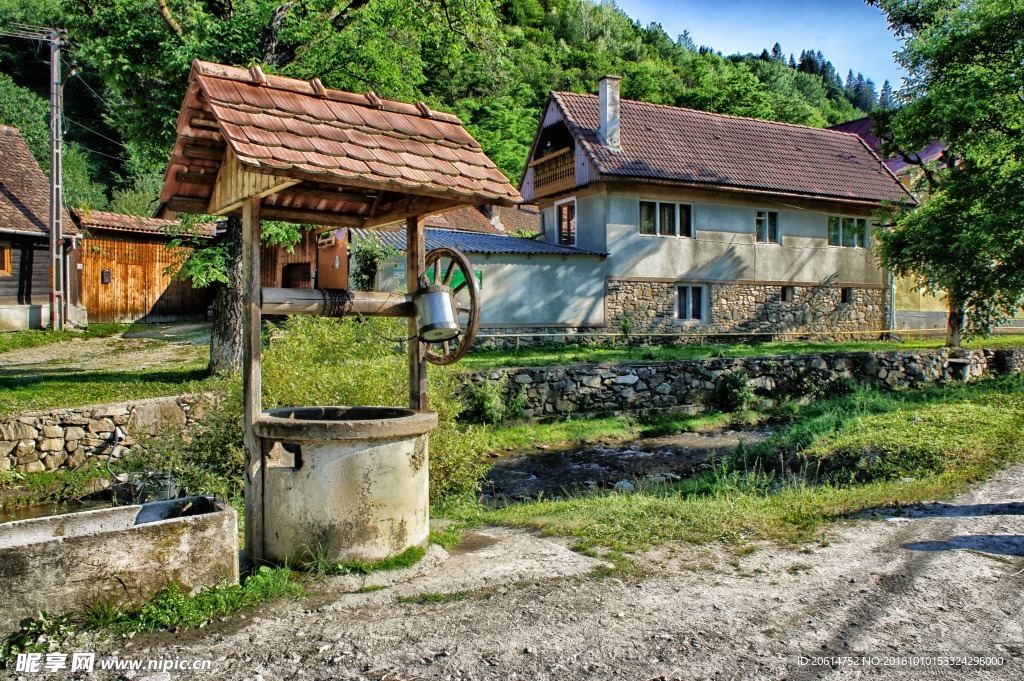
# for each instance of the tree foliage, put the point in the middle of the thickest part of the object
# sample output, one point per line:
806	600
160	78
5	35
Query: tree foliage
965	88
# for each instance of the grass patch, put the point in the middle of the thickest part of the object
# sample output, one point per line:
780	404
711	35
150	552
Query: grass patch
61	389
15	340
448	537
838	457
527	436
47	487
171	609
425	599
318	564
578	354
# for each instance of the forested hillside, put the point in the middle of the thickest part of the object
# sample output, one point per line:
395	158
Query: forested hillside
493	63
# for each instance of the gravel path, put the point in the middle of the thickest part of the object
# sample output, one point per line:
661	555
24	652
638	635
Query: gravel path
941	579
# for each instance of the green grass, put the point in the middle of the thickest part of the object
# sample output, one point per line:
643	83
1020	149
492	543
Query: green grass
527	436
172	609
432	598
836	458
46	487
317	563
578	354
15	340
63	389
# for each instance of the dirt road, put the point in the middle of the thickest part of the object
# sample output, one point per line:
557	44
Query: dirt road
943	579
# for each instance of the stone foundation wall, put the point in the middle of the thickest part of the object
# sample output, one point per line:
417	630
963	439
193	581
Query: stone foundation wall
748	308
554	392
67	438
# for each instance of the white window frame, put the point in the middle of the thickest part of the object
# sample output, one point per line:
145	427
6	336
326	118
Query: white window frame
657	219
768	225
869	226
689	292
558	223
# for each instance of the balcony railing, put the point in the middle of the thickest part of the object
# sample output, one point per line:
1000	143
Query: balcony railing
554	173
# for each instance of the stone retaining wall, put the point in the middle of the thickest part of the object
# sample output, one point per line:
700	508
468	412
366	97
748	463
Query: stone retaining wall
554	392
66	438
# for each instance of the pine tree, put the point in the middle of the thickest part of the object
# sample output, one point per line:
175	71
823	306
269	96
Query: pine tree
765	56
886	101
849	81
777	52
792	62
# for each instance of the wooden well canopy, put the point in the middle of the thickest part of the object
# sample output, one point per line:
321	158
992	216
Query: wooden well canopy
319	156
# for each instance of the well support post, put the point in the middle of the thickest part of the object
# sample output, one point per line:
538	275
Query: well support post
251	380
415	266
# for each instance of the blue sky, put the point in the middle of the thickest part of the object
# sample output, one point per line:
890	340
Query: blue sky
849	33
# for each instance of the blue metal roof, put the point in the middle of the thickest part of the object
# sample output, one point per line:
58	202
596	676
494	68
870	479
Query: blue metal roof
473	242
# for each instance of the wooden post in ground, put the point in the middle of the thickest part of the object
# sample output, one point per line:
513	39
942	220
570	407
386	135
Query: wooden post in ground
251	380
415	264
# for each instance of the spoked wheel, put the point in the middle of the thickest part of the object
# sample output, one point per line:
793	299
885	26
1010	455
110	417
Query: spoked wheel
449	267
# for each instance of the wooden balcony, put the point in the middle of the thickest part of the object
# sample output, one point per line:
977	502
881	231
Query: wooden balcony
554	173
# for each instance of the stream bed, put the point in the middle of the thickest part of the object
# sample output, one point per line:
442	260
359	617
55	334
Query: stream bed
551	474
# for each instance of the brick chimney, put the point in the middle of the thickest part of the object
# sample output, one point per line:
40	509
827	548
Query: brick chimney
608	96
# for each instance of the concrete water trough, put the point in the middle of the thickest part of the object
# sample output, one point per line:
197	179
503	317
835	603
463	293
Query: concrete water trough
65	563
344	483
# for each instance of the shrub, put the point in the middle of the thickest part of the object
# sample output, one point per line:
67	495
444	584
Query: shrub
367	256
318	362
488	402
733	392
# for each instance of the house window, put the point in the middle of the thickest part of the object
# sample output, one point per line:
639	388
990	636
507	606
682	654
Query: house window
846	295
658	218
690	303
767	226
297	275
5	258
565	217
788	294
847	232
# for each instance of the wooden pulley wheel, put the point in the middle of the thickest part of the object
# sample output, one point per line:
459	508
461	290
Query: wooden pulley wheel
449	267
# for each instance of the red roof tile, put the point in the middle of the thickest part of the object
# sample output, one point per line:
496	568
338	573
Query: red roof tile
329	136
24	189
697	147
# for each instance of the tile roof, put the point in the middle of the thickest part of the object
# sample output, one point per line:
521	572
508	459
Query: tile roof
466	219
865	129
471	242
697	147
299	129
522	218
98	219
24	189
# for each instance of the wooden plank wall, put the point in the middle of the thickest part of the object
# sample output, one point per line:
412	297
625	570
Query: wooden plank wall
274	258
29	281
139	289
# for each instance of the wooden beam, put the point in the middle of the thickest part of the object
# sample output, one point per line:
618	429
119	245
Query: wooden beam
195	178
205	123
204	153
188	204
252	381
335	302
313	217
326	195
236	183
398	211
415	266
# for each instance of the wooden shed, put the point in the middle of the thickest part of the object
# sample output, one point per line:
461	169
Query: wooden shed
126	270
25	240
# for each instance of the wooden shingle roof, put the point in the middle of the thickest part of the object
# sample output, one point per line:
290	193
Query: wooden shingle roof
24	189
118	222
368	152
673	144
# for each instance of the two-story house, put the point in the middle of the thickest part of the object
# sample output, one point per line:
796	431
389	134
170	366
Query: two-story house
711	223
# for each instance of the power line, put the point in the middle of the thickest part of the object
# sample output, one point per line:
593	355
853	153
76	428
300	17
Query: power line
96	132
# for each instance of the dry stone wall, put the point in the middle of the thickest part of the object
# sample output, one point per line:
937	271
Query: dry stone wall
67	438
555	392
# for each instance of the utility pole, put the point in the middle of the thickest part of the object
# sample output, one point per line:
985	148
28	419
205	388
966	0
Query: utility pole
56	38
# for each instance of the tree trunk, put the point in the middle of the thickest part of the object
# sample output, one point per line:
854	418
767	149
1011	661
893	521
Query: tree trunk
226	336
955	325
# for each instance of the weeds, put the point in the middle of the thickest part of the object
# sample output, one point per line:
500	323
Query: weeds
317	563
431	598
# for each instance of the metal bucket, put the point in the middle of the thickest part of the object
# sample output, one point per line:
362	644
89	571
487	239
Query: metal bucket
344	483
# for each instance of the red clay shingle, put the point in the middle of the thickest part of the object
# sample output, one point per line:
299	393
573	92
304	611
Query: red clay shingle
330	136
24	189
685	145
